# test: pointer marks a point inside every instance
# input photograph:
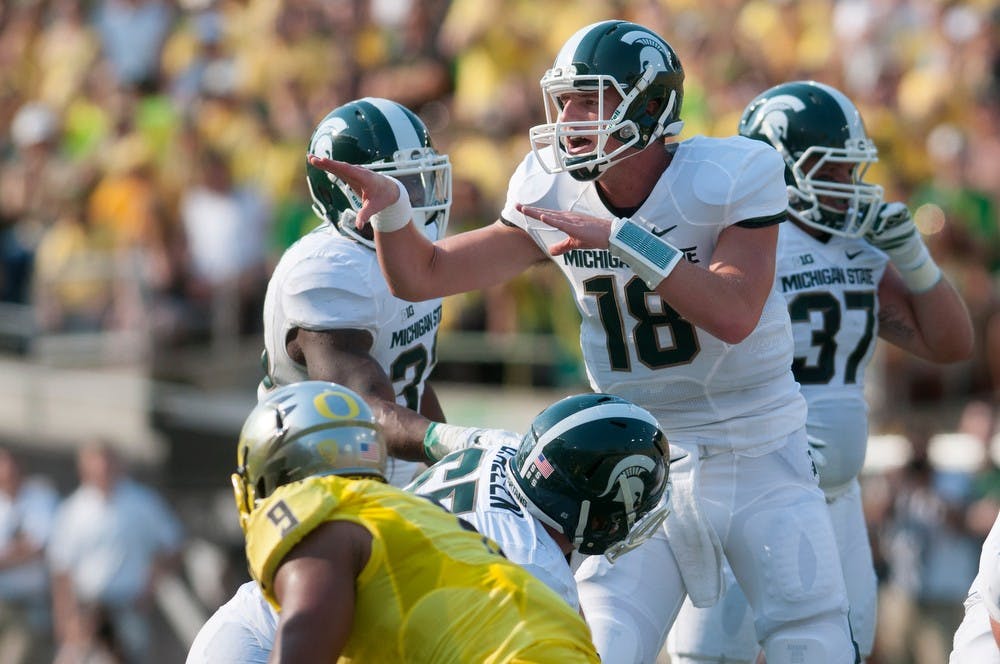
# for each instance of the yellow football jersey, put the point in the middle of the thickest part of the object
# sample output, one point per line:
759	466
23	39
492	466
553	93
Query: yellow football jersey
432	591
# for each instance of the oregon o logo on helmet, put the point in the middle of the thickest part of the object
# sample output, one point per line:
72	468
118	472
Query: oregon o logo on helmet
332	409
773	114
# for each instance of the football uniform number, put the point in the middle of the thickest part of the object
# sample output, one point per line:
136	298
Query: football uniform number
824	337
646	334
864	300
416	359
458	489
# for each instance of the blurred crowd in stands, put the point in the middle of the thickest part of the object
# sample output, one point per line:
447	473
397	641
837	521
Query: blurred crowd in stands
152	172
79	573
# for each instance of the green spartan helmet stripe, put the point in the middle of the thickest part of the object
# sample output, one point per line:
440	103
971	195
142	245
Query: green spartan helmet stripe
369	131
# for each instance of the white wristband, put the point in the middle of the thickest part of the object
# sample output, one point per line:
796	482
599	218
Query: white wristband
923	278
396	215
650	257
916	266
443	439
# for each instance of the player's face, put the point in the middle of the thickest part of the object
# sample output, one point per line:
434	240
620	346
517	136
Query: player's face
586	107
840	172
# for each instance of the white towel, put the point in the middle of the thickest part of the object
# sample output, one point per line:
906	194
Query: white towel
692	539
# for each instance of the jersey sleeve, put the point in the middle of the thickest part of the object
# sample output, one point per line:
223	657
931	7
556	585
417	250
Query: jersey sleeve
279	523
532	185
509	214
241	631
540	557
529	185
759	196
992	595
319	294
738	181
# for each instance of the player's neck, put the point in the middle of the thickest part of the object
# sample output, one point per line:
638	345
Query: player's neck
564	544
627	184
809	230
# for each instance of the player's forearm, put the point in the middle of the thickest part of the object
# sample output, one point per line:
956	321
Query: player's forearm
402	429
943	323
407	261
725	304
724	298
416	269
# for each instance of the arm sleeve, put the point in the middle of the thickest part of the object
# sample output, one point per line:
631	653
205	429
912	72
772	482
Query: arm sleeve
759	195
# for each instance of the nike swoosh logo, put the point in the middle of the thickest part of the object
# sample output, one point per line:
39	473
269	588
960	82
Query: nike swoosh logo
851	256
663	232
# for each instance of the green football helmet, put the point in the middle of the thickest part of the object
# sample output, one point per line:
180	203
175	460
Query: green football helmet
645	72
813	125
383	136
302	430
594	467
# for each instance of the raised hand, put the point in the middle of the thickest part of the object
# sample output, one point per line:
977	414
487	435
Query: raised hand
376	191
896	234
585	231
893	227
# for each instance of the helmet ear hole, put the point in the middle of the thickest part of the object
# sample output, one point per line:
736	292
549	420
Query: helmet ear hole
260	489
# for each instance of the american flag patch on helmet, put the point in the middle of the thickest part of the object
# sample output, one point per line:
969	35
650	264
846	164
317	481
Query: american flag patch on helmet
543	465
369	452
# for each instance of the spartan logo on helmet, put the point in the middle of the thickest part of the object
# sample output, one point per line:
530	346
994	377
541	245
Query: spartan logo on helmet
593	466
629	478
652	52
774	116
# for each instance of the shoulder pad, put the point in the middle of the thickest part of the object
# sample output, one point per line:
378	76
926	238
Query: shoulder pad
530	183
729	168
280	522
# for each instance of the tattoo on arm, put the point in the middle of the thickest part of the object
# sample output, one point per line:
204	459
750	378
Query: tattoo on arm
894	325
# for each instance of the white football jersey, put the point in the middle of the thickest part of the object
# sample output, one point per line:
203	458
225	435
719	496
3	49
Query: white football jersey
701	389
974	640
241	631
987	581
832	292
326	281
472	483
